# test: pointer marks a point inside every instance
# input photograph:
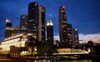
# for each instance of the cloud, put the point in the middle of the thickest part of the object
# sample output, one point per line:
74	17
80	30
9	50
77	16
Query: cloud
50	15
88	37
56	37
85	37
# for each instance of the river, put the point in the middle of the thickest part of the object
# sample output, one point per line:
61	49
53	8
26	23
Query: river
83	60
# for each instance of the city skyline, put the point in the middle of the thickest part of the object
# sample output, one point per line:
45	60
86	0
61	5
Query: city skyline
76	20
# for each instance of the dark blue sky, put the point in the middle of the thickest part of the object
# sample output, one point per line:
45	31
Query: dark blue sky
82	14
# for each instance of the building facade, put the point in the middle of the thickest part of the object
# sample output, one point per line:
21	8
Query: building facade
23	23
16	51
33	16
17	41
69	34
75	37
41	26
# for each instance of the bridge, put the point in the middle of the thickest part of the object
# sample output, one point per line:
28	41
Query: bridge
70	51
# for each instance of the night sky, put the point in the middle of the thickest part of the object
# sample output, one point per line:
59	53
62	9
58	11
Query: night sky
82	14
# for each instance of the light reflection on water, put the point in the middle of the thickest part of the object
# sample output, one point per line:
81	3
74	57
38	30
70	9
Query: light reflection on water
42	61
87	60
77	61
63	61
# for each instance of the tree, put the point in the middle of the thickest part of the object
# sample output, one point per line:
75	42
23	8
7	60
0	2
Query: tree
31	43
90	44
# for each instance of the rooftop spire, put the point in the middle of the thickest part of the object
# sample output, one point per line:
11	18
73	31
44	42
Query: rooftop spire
50	23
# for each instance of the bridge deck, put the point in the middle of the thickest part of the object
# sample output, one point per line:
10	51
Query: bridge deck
69	53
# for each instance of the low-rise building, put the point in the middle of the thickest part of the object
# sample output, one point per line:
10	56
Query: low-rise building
18	40
16	51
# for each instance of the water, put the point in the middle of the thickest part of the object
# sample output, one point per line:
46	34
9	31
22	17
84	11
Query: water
27	60
64	61
85	60
49	59
77	61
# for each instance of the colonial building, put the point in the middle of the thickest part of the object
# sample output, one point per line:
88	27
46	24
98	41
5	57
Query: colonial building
18	40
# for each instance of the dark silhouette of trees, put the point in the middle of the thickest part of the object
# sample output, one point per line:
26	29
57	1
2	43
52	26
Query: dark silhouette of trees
31	43
90	44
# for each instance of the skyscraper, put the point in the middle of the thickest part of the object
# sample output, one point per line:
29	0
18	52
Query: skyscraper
41	26
33	16
50	35
75	37
8	25
63	27
69	34
23	23
10	31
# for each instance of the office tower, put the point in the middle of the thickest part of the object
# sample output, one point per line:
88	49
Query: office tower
75	37
69	34
8	25
10	31
33	16
41	26
63	27
23	23
50	35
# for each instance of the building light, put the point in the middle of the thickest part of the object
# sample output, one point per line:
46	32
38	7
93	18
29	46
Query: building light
29	34
35	49
50	23
63	7
35	60
75	29
7	20
36	4
69	34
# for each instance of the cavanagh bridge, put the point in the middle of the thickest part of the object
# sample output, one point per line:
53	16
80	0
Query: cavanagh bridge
74	53
69	51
